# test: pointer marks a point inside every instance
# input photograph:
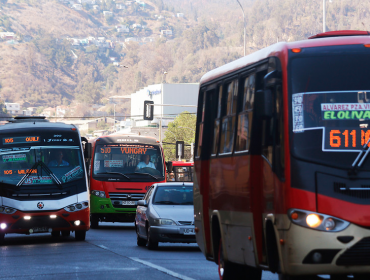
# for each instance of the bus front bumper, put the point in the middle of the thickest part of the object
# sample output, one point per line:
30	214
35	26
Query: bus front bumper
39	222
310	252
103	209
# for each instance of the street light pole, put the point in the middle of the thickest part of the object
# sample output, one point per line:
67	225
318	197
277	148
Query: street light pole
323	16
244	23
114	114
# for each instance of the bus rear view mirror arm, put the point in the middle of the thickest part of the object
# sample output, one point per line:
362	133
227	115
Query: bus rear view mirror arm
265	101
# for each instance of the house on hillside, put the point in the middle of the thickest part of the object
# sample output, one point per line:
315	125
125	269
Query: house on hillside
7	35
136	26
96	7
167	32
77	7
131	39
61	111
91	2
129	3
122	29
120	7
13	108
147	39
48	112
107	13
141	3
180	15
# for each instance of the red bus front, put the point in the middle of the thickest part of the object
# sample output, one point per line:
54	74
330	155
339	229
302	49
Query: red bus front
123	167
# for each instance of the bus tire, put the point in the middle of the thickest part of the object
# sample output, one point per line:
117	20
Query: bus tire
94	221
80	235
141	242
272	249
232	271
55	233
2	237
152	245
66	233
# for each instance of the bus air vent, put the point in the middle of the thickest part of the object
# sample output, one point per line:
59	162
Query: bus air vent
358	254
362	191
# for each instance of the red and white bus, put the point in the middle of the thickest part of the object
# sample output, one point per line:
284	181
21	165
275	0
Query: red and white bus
281	162
43	181
182	171
122	169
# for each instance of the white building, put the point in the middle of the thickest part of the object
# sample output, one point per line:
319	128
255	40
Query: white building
180	15
107	13
175	94
166	32
120	7
13	108
91	2
77	7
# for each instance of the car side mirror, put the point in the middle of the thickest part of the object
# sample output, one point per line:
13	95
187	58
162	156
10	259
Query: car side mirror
142	203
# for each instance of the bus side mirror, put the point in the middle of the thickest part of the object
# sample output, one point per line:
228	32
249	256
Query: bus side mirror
87	150
169	166
265	106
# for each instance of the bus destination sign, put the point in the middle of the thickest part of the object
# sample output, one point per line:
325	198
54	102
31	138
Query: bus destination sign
21	140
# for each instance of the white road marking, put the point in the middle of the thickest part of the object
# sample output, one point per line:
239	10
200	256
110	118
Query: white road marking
160	268
102	246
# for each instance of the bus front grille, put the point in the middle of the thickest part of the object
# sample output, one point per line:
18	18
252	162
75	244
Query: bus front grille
358	254
361	191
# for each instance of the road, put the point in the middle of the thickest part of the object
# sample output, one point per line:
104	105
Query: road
109	252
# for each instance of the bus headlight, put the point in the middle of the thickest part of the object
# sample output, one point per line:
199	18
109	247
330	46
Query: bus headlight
7	210
317	221
77	206
98	193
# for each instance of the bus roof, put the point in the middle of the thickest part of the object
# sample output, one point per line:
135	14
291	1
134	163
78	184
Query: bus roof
344	37
36	125
126	139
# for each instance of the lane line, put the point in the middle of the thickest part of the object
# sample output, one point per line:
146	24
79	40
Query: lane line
103	247
160	268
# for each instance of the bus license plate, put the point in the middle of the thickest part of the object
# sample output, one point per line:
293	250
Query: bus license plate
128	202
40	229
189	231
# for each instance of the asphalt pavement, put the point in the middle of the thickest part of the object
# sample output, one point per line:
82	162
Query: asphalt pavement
109	252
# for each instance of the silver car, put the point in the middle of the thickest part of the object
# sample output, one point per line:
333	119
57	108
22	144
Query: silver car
166	214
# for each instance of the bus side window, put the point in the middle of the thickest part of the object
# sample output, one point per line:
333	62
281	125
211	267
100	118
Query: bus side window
228	121
245	116
200	122
216	122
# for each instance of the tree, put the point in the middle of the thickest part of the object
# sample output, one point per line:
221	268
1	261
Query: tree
181	129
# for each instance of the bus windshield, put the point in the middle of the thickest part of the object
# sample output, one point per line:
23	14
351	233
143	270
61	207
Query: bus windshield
128	162
331	105
40	165
183	173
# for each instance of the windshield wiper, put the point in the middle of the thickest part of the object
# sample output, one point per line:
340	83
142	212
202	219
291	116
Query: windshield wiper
127	177
165	202
157	178
44	167
352	171
187	203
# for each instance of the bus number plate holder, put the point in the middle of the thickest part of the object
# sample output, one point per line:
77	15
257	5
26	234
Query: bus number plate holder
40	229
128	202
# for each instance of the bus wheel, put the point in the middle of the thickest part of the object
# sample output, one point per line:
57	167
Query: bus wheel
80	235
66	233
228	270
94	221
288	277
359	276
2	237
55	233
152	245
140	241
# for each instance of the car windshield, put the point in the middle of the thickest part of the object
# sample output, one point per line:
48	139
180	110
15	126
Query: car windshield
330	105
128	161
174	195
42	165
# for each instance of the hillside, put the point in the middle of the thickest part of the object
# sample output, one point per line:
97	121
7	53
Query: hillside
61	53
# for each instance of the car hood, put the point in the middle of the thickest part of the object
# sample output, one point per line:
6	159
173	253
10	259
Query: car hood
175	212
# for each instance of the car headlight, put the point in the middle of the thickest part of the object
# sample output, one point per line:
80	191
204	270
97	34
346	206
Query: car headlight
98	193
317	221
77	206
166	222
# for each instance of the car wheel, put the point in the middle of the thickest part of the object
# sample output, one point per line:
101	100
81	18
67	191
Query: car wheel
94	221
228	270
152	245
80	235
66	233
140	241
55	233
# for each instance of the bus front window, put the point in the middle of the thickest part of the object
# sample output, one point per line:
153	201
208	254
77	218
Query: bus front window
330	103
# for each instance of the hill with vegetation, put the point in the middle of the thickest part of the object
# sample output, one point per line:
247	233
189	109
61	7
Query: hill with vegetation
62	53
